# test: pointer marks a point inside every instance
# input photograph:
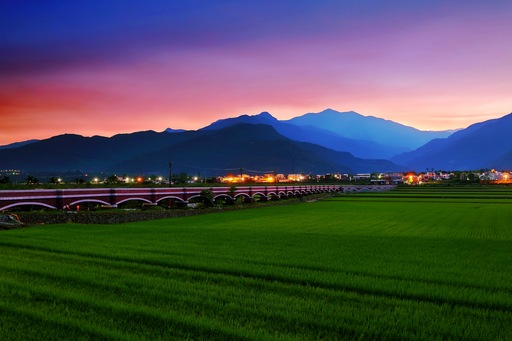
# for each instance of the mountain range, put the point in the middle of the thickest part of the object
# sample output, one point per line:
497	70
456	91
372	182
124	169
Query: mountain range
253	147
363	136
325	142
369	128
483	145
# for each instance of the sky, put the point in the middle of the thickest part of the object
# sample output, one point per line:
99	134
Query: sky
120	66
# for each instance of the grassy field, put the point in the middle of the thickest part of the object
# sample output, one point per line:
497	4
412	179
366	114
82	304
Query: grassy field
407	264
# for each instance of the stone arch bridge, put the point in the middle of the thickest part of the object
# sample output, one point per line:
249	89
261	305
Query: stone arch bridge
112	197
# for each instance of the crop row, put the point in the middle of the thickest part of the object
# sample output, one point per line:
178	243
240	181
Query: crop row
344	268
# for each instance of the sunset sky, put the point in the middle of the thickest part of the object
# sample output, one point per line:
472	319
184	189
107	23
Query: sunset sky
108	67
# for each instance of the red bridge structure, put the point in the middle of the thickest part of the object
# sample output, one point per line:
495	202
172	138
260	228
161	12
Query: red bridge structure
112	197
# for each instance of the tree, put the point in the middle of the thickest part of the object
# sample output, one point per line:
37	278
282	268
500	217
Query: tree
31	180
232	191
5	180
471	177
112	180
207	196
182	178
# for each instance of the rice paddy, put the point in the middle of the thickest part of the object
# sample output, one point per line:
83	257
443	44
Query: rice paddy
412	263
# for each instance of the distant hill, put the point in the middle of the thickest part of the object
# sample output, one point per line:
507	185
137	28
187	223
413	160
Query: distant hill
482	145
169	130
368	128
17	144
211	152
326	138
72	152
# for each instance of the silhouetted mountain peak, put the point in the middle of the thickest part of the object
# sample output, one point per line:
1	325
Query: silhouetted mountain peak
172	131
249	133
262	118
333	112
369	128
266	115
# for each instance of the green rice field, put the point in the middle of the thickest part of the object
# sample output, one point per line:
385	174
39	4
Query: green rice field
413	263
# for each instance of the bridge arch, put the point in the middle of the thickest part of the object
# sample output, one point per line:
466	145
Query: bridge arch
194	197
171	201
259	194
89	200
272	193
134	199
219	196
27	203
243	197
224	199
171	197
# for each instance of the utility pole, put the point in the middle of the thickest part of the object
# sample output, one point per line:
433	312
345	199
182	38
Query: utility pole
170	173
